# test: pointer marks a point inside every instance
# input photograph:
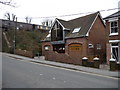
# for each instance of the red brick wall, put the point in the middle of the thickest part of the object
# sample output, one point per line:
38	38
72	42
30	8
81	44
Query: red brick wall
67	57
108	52
97	35
61	57
116	37
75	54
24	53
43	47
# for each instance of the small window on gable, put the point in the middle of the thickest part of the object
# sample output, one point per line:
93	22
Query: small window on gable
76	30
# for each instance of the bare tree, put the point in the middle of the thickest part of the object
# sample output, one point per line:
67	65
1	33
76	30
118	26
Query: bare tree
13	17
9	17
28	19
47	22
7	2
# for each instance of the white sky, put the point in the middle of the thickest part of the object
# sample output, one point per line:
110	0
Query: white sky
44	8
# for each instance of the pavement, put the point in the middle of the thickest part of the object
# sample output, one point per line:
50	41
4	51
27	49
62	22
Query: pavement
68	66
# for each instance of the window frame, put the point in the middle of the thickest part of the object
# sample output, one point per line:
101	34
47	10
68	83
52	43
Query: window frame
117	46
98	46
90	46
76	30
46	47
116	33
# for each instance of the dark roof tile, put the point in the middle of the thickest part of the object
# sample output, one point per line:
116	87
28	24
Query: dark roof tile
84	23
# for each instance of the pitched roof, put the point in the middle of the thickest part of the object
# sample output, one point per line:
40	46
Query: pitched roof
116	14
84	23
66	24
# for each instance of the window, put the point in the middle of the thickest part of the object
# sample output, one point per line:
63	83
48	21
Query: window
90	46
38	27
114	51
47	48
46	28
41	27
76	30
17	28
21	25
114	28
57	32
59	48
98	46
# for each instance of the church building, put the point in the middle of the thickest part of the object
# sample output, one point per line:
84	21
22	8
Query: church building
70	41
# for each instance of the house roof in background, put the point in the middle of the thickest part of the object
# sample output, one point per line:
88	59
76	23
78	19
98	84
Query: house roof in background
116	14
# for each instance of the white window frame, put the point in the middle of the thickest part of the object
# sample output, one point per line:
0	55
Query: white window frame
111	34
46	48
112	50
76	30
90	46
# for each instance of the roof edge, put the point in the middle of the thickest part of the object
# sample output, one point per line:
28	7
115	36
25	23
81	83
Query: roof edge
98	15
76	37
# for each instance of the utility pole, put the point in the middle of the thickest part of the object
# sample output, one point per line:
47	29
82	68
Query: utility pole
15	34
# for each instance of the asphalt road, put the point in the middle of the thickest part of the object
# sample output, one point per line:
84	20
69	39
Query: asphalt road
24	74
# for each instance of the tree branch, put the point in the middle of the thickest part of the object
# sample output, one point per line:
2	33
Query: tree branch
9	3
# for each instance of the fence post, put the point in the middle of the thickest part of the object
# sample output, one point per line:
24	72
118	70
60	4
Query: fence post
112	64
96	62
84	61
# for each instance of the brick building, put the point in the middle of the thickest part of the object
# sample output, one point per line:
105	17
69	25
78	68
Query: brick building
7	25
69	41
113	36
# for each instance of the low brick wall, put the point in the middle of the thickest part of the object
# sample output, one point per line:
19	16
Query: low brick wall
114	66
24	53
61	57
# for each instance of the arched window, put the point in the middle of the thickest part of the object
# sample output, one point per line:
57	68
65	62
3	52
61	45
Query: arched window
47	48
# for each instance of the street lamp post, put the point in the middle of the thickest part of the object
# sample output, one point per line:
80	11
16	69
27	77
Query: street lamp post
15	35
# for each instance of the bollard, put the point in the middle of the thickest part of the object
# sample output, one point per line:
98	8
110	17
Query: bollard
84	61
112	64
96	62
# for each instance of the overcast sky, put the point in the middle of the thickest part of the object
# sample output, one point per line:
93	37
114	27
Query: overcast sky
45	8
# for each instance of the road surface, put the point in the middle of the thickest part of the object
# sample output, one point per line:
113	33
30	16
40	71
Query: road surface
24	74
